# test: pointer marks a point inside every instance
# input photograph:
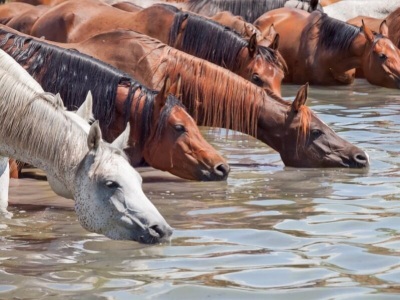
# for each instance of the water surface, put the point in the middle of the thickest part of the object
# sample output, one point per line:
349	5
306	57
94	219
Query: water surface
269	232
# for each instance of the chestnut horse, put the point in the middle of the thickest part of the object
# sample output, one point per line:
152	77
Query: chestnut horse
249	10
325	51
162	134
293	130
75	21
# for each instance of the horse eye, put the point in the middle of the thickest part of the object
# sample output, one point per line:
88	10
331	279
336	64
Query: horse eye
112	184
316	133
179	128
256	80
382	56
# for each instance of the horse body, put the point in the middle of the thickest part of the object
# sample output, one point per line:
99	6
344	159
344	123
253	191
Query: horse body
325	51
348	9
84	164
257	63
118	98
233	103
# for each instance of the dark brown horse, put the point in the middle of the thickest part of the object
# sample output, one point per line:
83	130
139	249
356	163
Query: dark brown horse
322	50
162	133
75	21
292	129
249	10
23	22
10	10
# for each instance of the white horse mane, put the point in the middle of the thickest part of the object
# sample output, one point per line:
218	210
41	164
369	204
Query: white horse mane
47	136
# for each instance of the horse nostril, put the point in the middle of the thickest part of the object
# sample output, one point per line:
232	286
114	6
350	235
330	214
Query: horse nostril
361	158
222	170
158	231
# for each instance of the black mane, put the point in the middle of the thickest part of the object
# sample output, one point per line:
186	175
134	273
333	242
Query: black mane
335	35
214	42
73	75
249	10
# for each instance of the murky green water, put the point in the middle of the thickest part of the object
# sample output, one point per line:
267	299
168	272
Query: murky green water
269	232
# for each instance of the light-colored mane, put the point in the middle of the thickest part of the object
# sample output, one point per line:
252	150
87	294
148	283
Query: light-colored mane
39	128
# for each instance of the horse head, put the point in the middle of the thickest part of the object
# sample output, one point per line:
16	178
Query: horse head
304	140
108	195
381	59
175	143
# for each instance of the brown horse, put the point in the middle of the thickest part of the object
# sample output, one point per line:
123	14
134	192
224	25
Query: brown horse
325	51
293	130
76	21
328	2
127	6
37	2
162	133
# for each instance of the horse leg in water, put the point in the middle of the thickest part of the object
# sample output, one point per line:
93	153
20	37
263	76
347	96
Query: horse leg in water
4	182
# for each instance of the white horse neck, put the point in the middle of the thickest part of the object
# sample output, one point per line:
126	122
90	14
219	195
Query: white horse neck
36	131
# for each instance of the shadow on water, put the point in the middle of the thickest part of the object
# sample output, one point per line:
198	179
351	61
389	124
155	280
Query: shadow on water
268	232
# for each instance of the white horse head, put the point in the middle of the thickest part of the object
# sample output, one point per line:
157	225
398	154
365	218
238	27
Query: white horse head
107	191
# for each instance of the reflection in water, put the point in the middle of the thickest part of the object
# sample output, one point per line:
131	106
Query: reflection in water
269	232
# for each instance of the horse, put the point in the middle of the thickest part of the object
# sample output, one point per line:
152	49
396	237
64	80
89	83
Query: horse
158	119
23	22
292	129
376	25
249	10
127	6
106	189
37	2
76	21
348	9
325	51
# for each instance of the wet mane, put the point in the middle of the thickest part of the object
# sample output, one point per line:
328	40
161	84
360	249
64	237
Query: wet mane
233	103
333	34
249	10
214	42
73	74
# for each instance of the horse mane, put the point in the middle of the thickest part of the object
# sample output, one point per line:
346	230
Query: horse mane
394	27
73	74
214	42
334	34
249	10
233	103
47	136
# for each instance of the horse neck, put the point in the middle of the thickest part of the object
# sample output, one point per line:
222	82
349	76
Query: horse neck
57	148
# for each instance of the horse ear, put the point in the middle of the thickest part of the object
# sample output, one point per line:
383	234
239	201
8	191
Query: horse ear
252	45
85	111
367	32
301	98
94	137
175	88
58	100
384	29
275	43
271	31
314	4
163	94
248	30
121	142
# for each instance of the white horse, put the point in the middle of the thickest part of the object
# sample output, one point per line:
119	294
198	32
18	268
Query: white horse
106	189
348	9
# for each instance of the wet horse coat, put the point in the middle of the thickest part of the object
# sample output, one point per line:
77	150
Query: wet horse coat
74	22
